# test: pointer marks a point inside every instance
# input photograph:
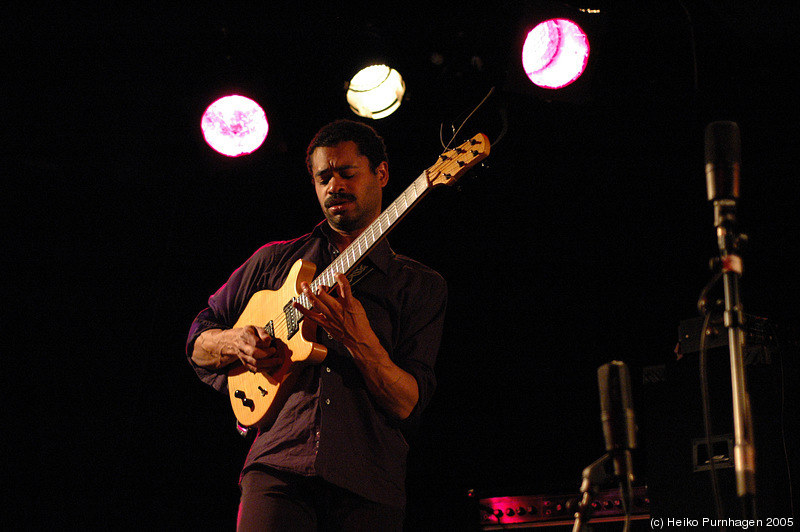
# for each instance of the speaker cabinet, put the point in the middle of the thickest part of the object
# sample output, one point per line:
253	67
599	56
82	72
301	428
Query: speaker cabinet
678	458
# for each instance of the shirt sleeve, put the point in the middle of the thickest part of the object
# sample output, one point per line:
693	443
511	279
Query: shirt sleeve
421	334
224	308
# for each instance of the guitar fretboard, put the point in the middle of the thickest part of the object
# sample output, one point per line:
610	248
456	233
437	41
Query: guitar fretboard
377	230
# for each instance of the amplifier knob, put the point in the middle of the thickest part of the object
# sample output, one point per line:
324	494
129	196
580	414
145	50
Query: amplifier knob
553	508
548	510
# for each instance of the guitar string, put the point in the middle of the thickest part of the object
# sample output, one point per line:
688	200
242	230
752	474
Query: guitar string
280	324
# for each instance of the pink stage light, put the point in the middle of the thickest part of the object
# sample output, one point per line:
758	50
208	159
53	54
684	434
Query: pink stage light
234	125
555	53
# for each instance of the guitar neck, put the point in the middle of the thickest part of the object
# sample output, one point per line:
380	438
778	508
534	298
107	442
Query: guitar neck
449	167
372	235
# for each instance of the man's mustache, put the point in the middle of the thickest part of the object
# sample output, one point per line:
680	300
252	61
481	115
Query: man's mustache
338	197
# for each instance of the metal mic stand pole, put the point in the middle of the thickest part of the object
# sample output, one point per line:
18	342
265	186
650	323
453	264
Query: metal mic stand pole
731	264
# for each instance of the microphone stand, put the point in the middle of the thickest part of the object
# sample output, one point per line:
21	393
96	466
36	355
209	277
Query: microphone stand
619	431
593	475
596	474
730	262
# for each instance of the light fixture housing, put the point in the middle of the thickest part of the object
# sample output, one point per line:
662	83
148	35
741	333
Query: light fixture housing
234	125
376	92
555	53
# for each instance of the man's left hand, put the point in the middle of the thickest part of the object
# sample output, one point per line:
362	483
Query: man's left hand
342	317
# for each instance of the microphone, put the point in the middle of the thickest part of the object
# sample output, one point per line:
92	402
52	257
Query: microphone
723	162
619	429
616	414
723	154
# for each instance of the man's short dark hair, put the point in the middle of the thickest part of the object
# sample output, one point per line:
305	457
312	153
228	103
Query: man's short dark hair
369	143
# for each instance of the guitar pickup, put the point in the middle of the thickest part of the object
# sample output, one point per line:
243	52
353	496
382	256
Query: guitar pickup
293	317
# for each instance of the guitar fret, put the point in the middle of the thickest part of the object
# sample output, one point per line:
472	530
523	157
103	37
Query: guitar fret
366	240
262	405
413	192
421	183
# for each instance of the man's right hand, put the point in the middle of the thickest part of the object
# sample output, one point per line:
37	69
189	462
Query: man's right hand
253	346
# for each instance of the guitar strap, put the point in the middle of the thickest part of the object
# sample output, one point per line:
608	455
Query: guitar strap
359	272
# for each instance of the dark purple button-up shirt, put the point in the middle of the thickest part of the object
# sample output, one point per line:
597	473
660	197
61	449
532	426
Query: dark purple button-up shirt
330	426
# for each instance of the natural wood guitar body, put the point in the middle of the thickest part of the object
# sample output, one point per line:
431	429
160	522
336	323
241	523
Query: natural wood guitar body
257	398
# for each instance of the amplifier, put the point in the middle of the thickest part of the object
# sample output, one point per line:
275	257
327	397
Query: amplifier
527	511
761	337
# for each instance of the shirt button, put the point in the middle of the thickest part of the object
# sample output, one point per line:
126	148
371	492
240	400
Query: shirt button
327	369
327	401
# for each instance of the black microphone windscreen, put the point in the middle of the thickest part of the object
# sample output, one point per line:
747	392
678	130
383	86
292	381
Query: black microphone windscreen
723	143
616	406
723	159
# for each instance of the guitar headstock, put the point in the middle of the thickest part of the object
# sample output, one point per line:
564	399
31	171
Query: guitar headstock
453	164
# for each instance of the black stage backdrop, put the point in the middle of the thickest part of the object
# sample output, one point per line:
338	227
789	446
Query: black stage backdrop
586	239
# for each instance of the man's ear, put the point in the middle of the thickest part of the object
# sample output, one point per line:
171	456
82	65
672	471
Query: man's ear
382	171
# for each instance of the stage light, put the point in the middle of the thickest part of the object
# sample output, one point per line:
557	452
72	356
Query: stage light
234	125
555	53
376	92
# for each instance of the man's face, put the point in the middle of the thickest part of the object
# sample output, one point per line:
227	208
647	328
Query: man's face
348	191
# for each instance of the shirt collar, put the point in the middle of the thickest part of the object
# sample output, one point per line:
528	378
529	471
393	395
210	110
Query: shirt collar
381	253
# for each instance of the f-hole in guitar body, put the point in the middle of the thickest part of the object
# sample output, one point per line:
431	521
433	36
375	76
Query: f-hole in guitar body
257	397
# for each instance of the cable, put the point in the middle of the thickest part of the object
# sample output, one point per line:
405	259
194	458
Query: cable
707	416
779	348
707	311
463	123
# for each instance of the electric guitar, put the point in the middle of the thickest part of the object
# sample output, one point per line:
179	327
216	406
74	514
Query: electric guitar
257	397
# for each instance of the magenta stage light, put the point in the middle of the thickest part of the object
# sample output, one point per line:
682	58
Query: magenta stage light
234	125
555	53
